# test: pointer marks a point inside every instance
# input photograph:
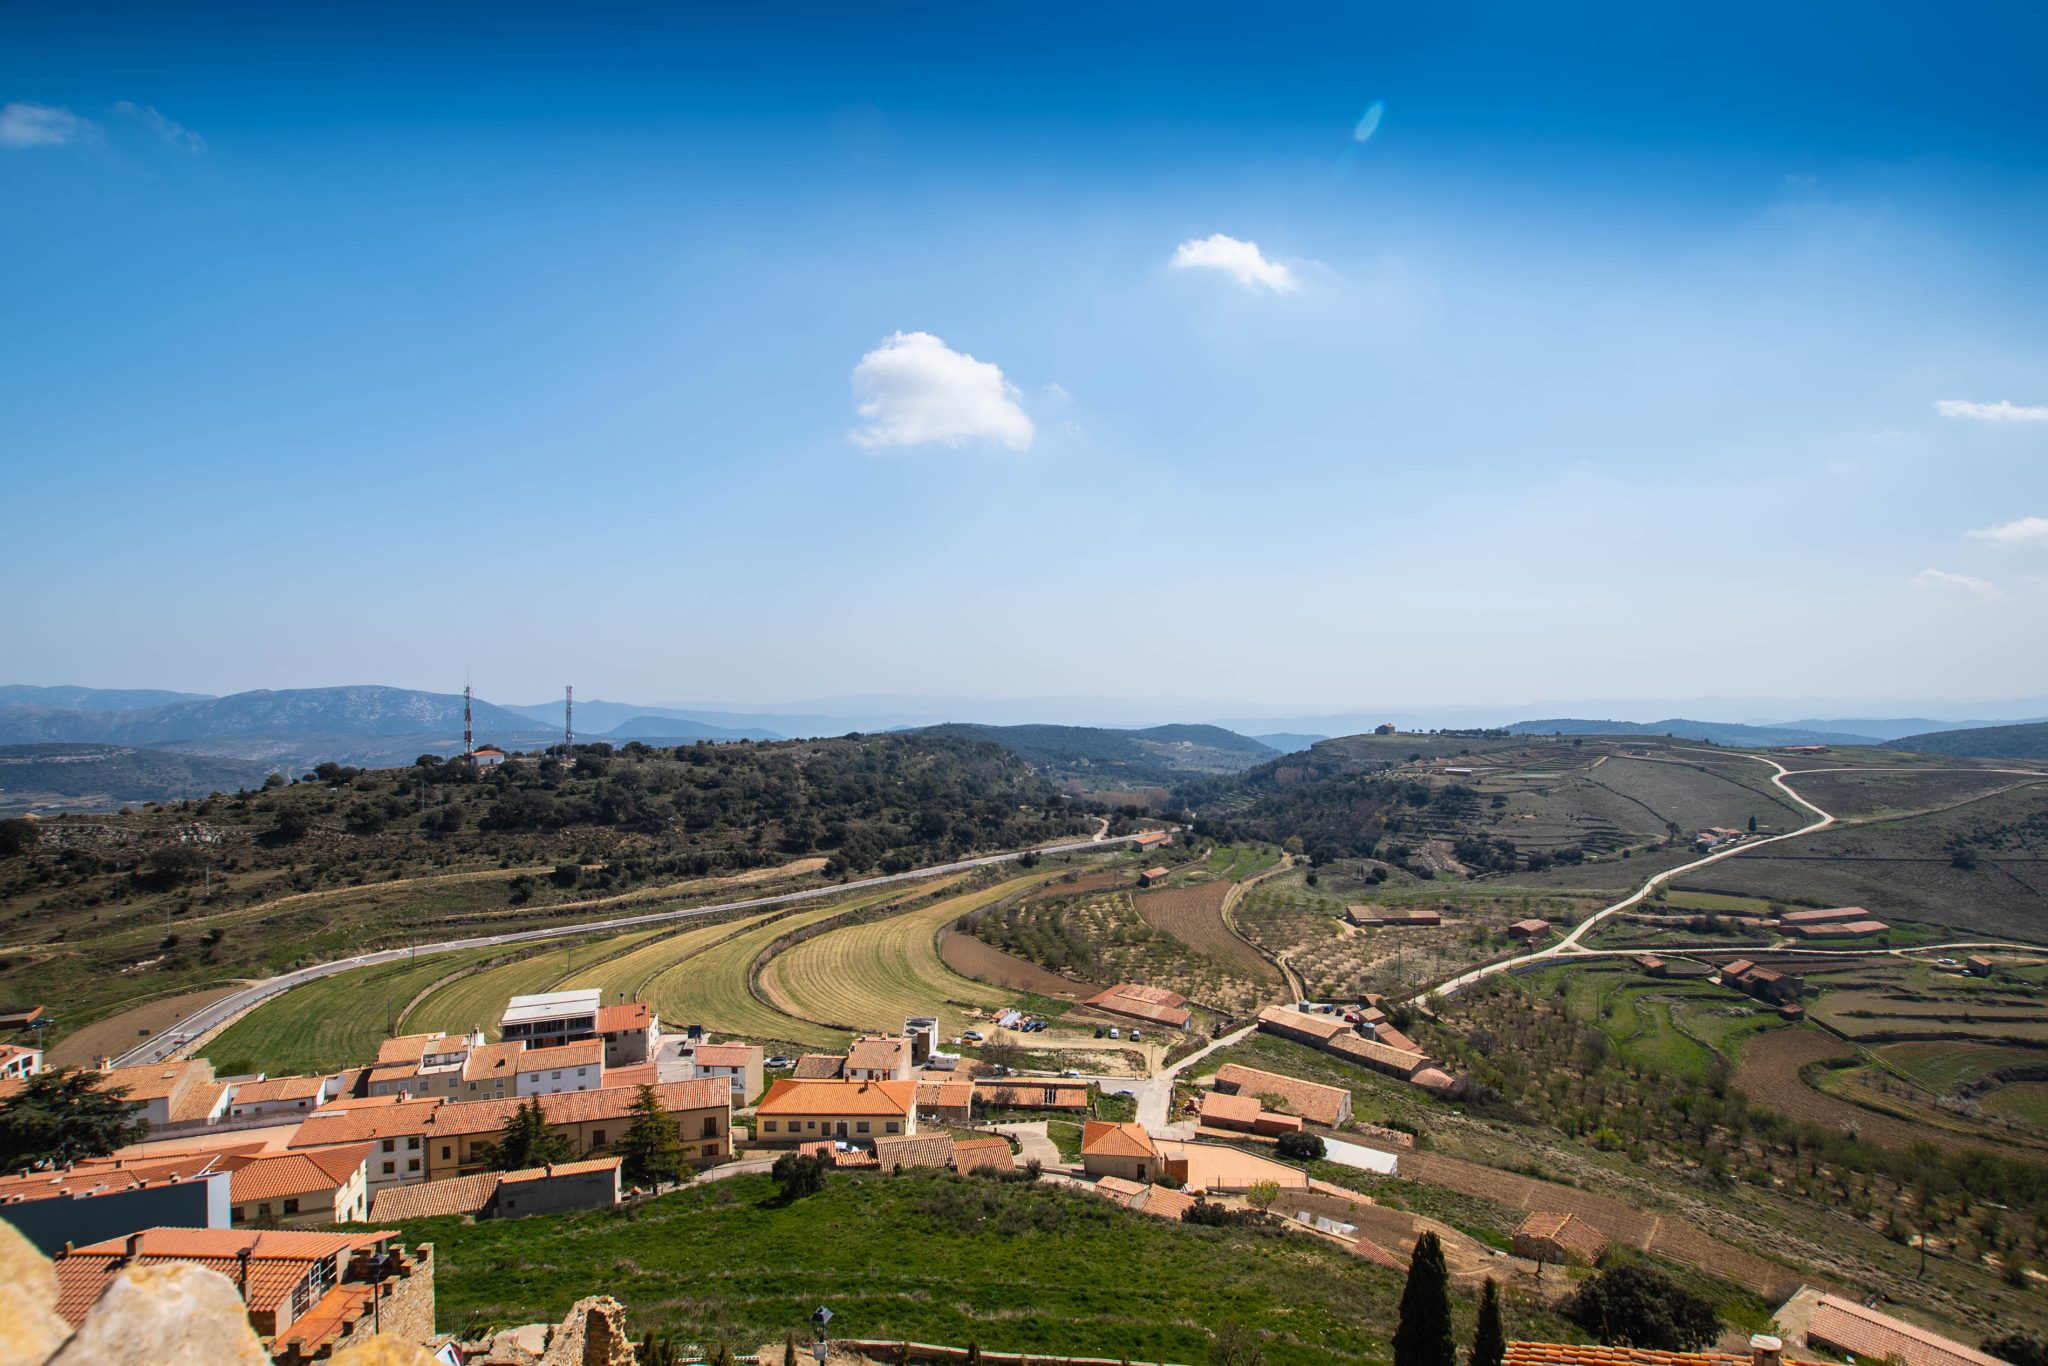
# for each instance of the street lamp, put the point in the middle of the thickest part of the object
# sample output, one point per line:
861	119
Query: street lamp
819	1319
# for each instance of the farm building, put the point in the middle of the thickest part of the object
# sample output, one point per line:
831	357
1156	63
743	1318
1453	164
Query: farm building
23	1018
1385	728
1152	839
1152	877
1301	1026
1977	965
1153	1005
1391	1052
1559	1238
1839	929
1764	1351
1766	984
1162	1201
1329	1106
1244	1113
1215	1168
1652	964
972	1155
1846	1328
1383	916
1822	917
859	1111
945	1102
1529	929
1124	1150
1031	1095
915	1150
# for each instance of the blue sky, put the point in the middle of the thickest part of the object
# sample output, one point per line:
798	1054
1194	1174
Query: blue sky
371	344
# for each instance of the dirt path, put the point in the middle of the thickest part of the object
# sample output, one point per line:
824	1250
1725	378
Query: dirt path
111	1036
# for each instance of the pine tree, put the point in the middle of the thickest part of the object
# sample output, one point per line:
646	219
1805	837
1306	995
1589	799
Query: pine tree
60	1116
1423	1337
652	1145
528	1141
1489	1340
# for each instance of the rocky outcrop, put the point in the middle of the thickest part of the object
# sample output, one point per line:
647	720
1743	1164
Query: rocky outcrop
30	1327
174	1314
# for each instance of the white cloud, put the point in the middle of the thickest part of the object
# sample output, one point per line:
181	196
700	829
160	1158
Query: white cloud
171	131
1942	578
23	124
1243	261
2027	531
2002	411
915	391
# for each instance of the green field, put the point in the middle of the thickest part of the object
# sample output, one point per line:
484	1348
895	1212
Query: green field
477	1001
624	976
2026	1102
1677	1027
1943	1067
336	1022
933	1258
1235	862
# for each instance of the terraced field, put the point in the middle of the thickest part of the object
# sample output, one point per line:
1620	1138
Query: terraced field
1194	915
1851	795
332	1023
624	976
970	957
710	987
872	975
477	1000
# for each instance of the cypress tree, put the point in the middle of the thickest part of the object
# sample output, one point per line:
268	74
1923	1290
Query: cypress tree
1424	1335
1490	1339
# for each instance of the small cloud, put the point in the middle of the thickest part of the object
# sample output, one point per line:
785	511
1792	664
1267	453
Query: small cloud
171	131
1942	578
1242	261
2002	411
915	391
2027	531
23	124
1369	122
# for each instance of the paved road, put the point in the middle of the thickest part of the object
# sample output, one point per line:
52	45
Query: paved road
195	1027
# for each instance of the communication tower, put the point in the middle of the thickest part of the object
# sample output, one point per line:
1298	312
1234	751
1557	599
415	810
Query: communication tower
568	719
468	735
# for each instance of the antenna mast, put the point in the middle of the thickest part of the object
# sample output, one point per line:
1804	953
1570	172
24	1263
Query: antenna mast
568	719
468	737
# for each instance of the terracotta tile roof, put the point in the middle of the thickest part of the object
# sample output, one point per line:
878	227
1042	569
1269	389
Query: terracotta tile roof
589	1053
1284	1021
201	1101
913	1150
1839	929
385	1073
1844	1326
1588	1354
276	1089
492	1060
1102	1138
1400	1061
638	1075
983	1154
158	1081
836	1155
624	1019
726	1054
1117	1189
1434	1079
1166	1202
278	1261
877	1054
340	1306
1568	1231
405	1048
348	1102
1314	1102
1736	968
1219	1107
1531	926
791	1097
1390	1037
819	1067
580	1107
945	1095
1837	913
107	1175
1155	1004
276	1175
594	1164
368	1124
429	1199
1031	1095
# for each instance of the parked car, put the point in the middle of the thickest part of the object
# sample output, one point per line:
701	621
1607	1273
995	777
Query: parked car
779	1061
1071	1072
1136	1035
973	1035
1099	1031
1115	1033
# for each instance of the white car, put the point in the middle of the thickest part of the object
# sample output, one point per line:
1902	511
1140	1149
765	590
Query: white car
973	1036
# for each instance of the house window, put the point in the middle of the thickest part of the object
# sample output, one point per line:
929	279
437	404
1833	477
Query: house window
860	1126
390	1168
263	1210
241	1213
291	1207
445	1154
810	1124
892	1126
710	1150
412	1164
390	1145
412	1145
597	1138
767	1126
554	1076
711	1126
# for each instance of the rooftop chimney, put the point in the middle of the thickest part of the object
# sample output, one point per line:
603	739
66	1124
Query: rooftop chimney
133	1248
1765	1350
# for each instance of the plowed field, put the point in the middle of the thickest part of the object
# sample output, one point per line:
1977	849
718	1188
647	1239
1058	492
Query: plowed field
970	957
1194	915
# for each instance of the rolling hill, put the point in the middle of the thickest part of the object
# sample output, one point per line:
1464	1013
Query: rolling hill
1098	758
2026	741
1717	732
86	777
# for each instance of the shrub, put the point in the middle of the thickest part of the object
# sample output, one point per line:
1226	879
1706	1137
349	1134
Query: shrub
1302	1147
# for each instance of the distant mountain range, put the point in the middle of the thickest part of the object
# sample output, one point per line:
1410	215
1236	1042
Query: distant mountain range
91	699
675	729
102	777
1099	758
1720	732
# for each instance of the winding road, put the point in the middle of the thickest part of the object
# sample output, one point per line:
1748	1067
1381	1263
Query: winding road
194	1028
